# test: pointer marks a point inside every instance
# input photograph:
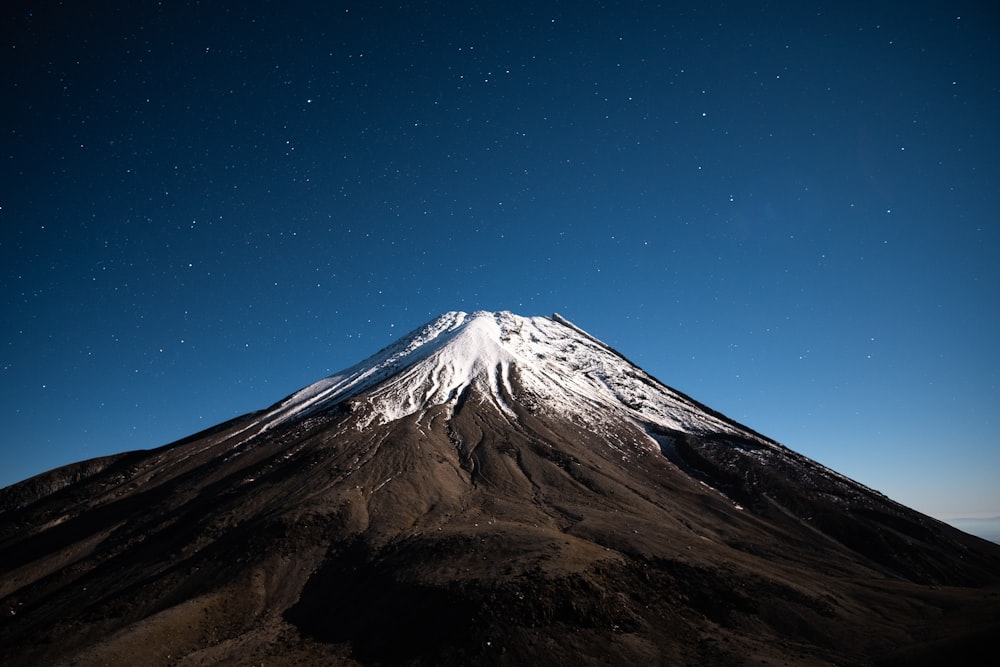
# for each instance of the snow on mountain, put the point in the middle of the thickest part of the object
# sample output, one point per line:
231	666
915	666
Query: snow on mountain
546	363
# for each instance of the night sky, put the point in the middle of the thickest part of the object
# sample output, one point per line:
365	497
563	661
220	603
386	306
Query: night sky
788	211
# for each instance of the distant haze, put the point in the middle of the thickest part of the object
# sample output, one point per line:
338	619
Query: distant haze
988	529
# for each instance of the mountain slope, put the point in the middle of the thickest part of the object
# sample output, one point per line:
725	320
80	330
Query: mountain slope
491	488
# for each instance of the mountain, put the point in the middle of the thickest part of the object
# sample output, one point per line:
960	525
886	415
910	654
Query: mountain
491	489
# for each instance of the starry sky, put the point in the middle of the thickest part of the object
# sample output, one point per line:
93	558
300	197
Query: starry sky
786	210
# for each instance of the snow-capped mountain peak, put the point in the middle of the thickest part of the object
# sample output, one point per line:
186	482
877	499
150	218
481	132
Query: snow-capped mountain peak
542	362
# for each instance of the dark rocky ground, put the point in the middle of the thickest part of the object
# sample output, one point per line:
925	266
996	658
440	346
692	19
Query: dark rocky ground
479	540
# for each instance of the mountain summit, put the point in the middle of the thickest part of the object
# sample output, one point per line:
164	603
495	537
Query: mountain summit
490	489
556	367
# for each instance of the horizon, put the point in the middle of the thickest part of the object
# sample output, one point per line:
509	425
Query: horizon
208	208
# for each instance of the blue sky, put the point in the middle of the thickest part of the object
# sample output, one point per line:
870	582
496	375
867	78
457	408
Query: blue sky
788	213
